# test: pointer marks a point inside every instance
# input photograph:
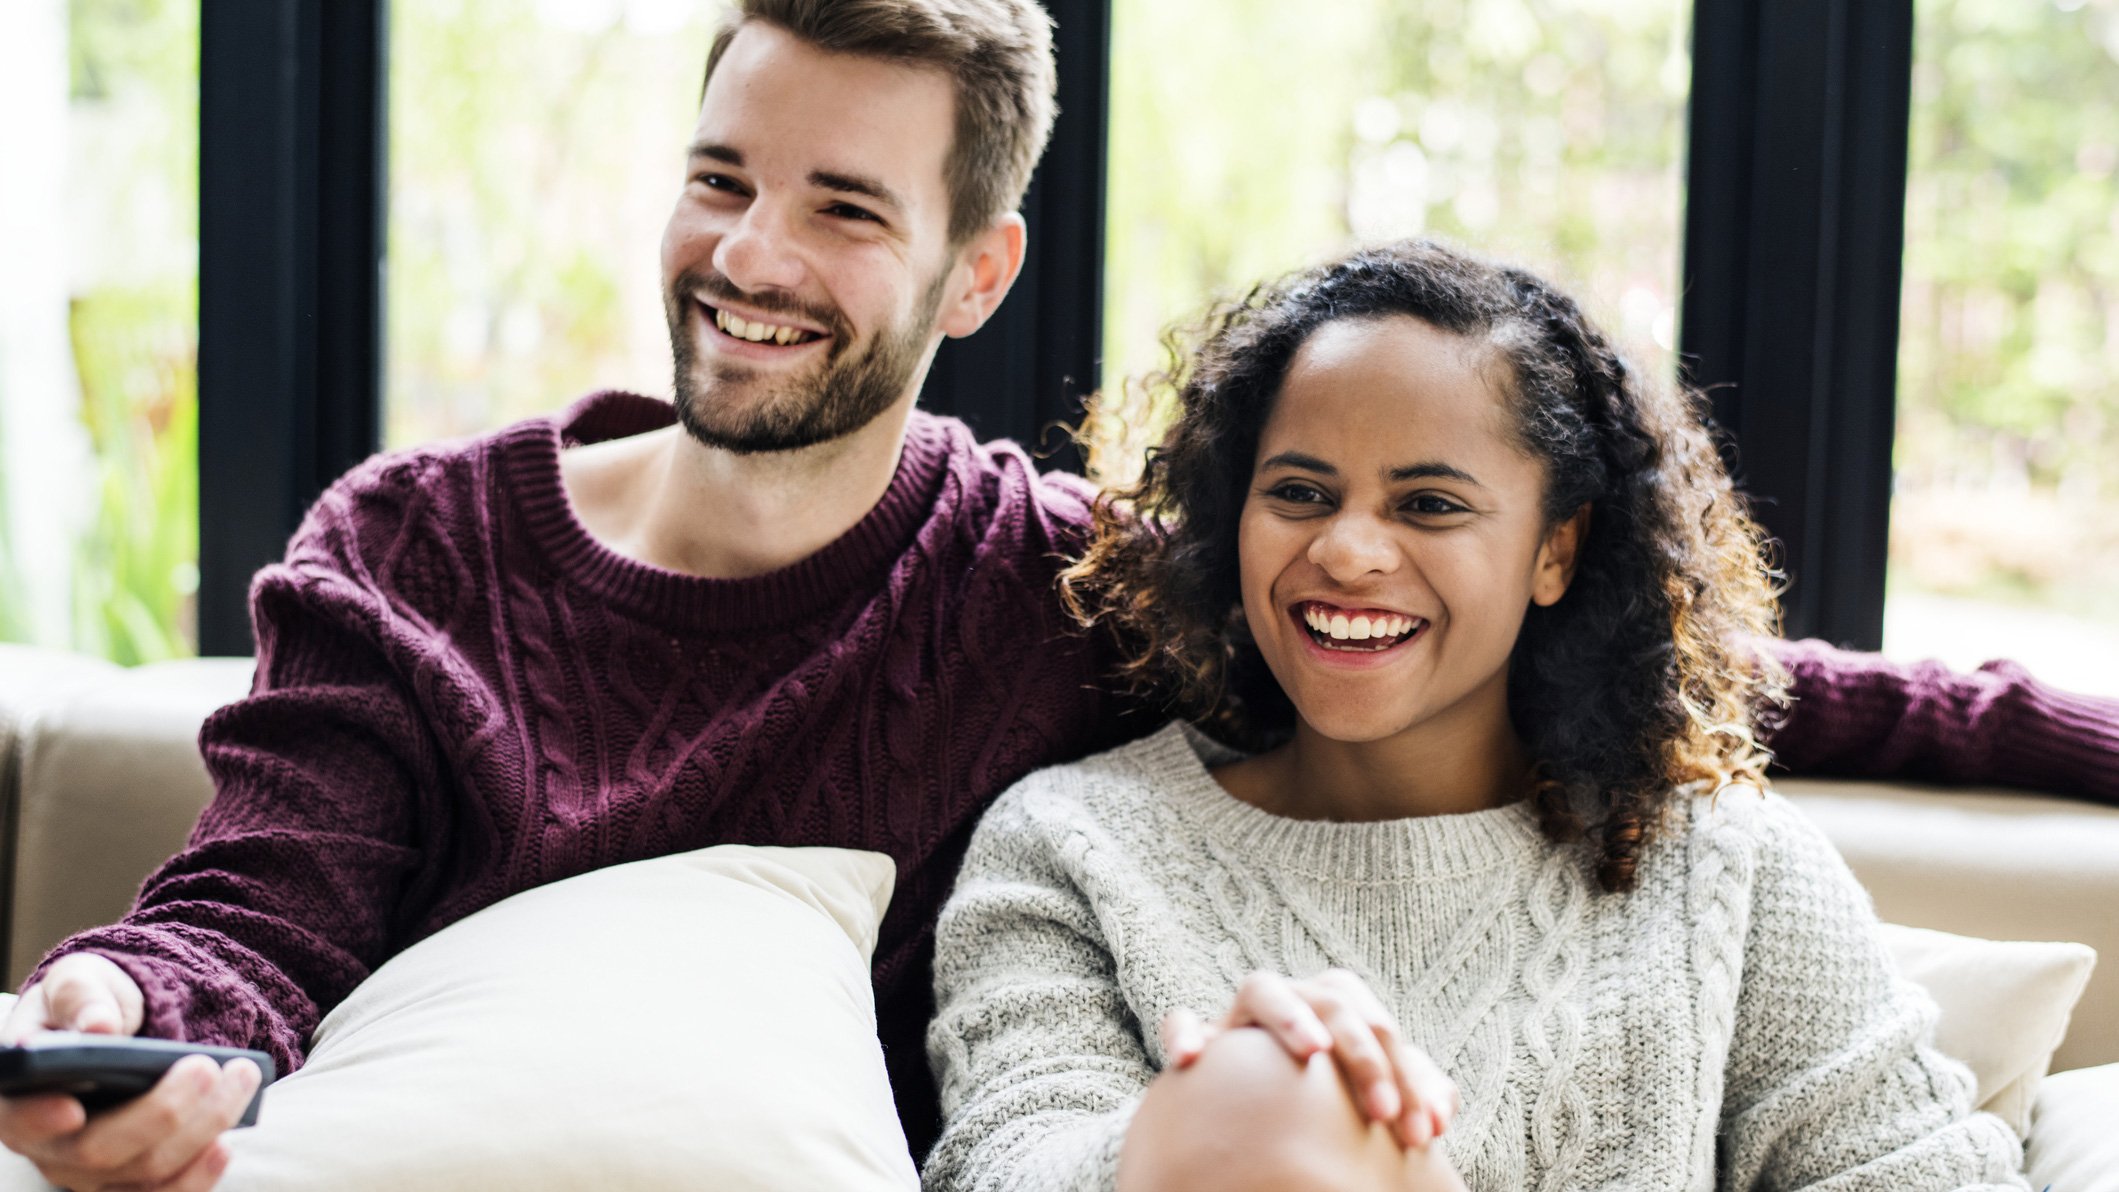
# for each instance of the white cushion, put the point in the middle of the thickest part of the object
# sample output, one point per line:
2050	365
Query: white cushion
2072	1146
703	1020
696	1021
2005	1007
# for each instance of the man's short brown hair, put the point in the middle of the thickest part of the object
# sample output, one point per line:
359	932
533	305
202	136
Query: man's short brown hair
998	53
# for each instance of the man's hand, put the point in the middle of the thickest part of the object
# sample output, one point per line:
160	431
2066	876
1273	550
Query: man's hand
167	1138
1394	1082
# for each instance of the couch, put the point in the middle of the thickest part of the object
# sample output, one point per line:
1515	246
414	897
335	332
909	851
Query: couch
100	780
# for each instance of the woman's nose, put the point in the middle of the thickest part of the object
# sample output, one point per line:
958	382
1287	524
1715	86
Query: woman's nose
1351	546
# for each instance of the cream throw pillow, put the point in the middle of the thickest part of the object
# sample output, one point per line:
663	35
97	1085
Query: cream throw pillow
702	1020
2005	1007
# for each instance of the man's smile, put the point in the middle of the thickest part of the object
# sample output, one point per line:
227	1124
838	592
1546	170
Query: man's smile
759	337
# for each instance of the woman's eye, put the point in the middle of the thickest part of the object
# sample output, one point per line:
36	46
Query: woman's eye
1297	494
1432	505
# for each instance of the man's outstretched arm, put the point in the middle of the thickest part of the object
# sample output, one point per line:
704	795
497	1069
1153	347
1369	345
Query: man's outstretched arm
1862	715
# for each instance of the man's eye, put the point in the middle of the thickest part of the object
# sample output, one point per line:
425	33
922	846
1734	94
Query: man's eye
849	211
719	182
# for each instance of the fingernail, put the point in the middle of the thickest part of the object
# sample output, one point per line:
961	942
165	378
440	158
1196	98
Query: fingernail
1383	1101
1423	1129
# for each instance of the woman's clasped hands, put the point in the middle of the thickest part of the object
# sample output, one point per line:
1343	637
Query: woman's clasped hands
1394	1082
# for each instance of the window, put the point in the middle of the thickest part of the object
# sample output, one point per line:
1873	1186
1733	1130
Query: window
1249	137
535	150
98	326
2005	510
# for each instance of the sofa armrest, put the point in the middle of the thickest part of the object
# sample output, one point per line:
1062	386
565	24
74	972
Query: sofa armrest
108	782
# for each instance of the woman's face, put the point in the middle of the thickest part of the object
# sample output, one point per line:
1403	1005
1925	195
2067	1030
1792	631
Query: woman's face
1394	536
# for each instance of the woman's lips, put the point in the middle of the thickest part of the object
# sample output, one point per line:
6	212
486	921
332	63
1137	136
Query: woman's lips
1355	630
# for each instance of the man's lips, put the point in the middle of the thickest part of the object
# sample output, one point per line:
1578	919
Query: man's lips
758	337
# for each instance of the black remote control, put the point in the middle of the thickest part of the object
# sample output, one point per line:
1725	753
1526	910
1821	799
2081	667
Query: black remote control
103	1070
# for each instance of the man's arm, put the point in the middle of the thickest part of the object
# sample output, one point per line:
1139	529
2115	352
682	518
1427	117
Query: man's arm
328	792
1863	715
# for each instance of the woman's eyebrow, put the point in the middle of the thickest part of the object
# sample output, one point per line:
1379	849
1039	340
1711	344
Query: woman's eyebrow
1296	459
1432	470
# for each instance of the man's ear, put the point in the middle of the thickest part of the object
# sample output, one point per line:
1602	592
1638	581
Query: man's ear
1556	559
985	268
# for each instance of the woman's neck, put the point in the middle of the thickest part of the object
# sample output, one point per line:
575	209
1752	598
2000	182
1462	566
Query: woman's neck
1469	759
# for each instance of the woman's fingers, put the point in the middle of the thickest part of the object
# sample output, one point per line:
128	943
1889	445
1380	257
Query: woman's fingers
1271	1001
1437	1092
1184	1037
1369	1069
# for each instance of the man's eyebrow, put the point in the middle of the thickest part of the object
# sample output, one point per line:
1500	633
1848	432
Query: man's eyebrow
1432	470
854	184
1296	459
719	152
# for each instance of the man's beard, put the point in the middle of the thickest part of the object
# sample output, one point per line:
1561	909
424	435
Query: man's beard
838	398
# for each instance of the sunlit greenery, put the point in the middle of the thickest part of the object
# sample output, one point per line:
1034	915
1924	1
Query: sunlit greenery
2008	443
536	146
1549	132
132	191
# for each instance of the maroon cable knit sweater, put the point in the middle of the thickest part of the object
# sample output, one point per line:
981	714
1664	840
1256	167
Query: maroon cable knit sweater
461	695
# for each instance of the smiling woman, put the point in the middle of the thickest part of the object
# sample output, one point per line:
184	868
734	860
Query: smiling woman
1521	839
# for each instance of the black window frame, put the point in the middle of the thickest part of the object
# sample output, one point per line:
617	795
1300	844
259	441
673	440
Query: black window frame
1793	235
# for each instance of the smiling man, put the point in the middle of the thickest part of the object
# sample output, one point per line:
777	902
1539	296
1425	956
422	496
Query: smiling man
787	608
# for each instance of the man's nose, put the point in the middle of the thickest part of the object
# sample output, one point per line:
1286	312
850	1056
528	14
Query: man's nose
1353	545
760	252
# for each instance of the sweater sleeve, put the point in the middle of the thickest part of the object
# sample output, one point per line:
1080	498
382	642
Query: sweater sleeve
284	897
1832	1082
1039	1060
1864	715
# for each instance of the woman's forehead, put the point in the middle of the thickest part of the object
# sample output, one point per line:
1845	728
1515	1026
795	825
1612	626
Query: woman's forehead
1390	385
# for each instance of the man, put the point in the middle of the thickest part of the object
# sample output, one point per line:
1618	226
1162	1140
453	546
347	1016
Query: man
792	610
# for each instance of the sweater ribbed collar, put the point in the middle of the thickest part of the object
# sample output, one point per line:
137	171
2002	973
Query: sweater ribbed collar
528	459
1416	849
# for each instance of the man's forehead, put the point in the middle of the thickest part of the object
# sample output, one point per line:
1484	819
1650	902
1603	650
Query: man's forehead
773	94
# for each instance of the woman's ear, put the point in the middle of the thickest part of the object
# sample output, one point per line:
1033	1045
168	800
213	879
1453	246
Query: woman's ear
1556	559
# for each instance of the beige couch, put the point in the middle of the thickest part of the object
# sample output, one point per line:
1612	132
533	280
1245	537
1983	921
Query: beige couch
100	779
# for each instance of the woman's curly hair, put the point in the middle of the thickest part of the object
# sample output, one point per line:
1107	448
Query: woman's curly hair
1642	681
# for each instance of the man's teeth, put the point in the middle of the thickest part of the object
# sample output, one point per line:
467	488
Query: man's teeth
757	333
1359	627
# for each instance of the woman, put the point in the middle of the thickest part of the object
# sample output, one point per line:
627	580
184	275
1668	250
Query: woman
1478	600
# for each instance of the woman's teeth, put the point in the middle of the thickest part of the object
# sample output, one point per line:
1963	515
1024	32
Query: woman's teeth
759	333
1330	627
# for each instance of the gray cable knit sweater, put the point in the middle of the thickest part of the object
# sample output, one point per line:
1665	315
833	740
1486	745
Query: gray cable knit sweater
1733	1023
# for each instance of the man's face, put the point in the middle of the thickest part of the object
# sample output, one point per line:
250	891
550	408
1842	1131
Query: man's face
806	259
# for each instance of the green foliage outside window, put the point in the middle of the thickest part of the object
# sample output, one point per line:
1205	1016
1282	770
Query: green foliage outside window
2007	456
533	161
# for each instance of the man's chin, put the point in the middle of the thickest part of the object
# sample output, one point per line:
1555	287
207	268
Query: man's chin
759	432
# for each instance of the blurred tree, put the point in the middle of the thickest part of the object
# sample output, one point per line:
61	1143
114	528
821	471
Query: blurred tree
1262	136
2009	352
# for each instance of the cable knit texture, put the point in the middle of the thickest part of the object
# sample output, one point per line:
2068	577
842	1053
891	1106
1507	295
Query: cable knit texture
461	695
1733	1023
